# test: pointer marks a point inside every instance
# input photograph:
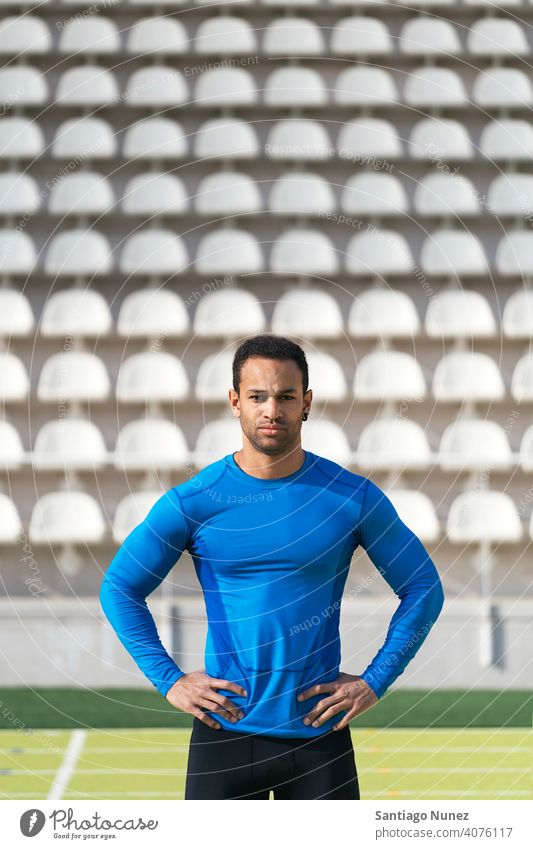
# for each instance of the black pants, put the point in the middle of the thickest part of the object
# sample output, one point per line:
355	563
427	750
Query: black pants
227	764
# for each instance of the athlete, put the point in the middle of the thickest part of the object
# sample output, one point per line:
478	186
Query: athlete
272	529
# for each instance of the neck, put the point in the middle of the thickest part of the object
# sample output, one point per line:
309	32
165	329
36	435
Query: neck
267	466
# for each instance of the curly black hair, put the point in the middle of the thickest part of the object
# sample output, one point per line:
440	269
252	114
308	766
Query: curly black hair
273	348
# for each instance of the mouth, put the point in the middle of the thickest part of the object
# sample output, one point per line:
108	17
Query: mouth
271	429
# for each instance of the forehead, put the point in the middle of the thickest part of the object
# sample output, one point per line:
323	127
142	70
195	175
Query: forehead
261	372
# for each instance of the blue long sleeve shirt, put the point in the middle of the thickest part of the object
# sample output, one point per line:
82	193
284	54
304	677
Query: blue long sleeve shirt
272	558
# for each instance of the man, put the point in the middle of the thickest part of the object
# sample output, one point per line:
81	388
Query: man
272	529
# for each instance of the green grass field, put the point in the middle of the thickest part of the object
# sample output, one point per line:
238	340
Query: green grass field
150	763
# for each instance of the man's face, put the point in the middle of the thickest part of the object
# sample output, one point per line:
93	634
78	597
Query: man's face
271	403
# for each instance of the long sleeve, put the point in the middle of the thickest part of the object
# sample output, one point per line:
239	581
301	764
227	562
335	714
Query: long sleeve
142	562
405	564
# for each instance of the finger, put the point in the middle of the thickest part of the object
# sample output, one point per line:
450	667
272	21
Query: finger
321	706
222	684
316	690
225	703
331	711
345	720
216	708
203	717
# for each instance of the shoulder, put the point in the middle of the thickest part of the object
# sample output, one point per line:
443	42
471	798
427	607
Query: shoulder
337	474
201	481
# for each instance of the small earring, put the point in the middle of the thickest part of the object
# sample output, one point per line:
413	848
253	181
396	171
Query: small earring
305	417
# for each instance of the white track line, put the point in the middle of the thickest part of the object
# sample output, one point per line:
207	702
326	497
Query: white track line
72	753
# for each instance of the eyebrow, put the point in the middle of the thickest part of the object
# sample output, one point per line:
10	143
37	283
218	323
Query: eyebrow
281	391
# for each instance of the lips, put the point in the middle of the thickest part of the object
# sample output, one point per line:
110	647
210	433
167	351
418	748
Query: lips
269	429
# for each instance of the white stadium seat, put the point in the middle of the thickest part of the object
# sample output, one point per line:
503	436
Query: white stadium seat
416	510
308	313
526	450
424	35
388	376
453	252
511	194
291	36
153	251
24	35
226	138
152	313
499	4
213	378
20	138
225	87
73	376
19	194
16	316
459	313
154	193
84	193
150	444
377	253
14	381
156	85
363	86
368	138
217	439
301	193
131	511
87	85
383	313
69	443
91	34
522	379
298	139
473	444
227	313
225	35
229	251
86	138
502	87
440	138
360	36
370	193
483	516
295	87
75	312
21	85
10	523
66	517
11	451
467	376
446	195
434	87
78	252
327	439
508	139
497	37
517	319
393	444
163	36
17	252
151	376
514	254
326	378
300	251
227	193
154	138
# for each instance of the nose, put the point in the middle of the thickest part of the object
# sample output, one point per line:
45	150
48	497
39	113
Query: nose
271	408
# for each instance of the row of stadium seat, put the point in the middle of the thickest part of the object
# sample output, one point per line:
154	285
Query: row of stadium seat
293	193
228	312
157	376
385	444
157	86
374	252
73	517
231	35
424	4
363	140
